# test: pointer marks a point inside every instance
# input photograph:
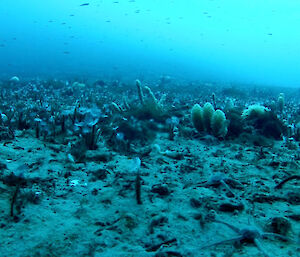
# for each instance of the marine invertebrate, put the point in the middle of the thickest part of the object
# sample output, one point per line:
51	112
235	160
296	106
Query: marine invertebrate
219	124
208	111
7	117
171	154
89	119
197	117
90	133
150	107
280	102
265	121
131	130
219	179
249	234
137	185
208	119
14	80
19	180
37	121
254	111
140	91
172	123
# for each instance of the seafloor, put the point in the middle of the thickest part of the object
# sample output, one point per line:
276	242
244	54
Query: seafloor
108	168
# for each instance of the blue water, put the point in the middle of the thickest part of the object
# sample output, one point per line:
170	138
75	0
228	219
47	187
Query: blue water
236	41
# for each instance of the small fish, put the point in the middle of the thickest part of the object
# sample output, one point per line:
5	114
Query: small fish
66	52
85	4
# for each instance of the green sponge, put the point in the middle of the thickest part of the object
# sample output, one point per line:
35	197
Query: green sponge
219	124
207	119
208	111
197	117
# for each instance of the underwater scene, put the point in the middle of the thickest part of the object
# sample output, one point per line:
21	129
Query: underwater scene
149	128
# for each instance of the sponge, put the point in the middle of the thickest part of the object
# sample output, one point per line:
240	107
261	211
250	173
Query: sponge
219	124
254	111
280	102
208	111
197	117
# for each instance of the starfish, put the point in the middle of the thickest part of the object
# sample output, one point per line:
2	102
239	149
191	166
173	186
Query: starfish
248	234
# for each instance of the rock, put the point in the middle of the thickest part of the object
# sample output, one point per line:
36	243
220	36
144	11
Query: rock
99	174
293	198
265	198
3	165
160	221
295	217
162	190
195	203
6	134
98	157
168	254
231	207
279	225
